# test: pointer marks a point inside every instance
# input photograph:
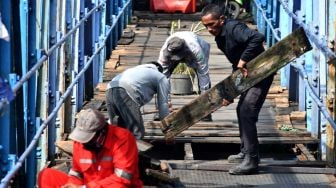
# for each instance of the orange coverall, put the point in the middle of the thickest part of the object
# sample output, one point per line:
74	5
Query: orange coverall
116	164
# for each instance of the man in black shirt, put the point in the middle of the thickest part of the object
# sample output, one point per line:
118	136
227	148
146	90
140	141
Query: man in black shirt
240	44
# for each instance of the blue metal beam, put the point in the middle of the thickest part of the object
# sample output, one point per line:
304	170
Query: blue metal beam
293	76
285	24
81	57
36	58
52	78
5	70
28	56
90	33
109	22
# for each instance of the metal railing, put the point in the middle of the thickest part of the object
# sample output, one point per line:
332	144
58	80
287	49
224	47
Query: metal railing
6	180
319	45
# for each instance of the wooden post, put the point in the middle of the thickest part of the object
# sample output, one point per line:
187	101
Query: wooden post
331	86
259	68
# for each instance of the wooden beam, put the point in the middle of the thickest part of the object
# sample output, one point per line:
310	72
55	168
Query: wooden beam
161	176
236	140
259	68
67	146
188	155
305	152
234	133
331	85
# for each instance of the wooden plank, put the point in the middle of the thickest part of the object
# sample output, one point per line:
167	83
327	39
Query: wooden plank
298	116
236	140
230	133
331	135
188	152
143	146
281	102
261	67
161	176
67	146
305	152
94	104
276	89
283	110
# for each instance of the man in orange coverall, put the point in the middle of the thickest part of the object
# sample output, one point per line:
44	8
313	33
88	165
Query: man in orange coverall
103	156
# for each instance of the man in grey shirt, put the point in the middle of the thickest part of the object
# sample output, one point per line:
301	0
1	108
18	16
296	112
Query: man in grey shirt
133	88
187	47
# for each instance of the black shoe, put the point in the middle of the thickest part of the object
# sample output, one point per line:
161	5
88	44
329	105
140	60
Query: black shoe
207	118
248	166
238	158
156	117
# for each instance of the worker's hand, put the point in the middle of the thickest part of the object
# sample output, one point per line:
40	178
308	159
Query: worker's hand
241	66
170	106
71	185
226	102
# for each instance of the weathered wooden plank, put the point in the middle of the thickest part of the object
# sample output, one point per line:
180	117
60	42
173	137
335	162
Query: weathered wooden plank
94	104
67	146
161	176
276	89
298	115
236	140
281	102
305	152
331	135
261	67
188	152
231	133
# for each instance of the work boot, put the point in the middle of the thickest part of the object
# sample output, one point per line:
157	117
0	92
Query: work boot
248	166
207	118
238	158
156	117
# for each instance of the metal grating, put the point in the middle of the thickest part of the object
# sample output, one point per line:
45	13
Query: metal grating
212	179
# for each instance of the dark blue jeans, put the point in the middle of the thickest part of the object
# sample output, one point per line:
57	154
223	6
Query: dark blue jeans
121	106
249	106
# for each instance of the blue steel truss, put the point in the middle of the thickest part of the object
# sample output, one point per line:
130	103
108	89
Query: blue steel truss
34	69
306	77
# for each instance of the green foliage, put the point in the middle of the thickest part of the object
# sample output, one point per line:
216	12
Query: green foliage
183	68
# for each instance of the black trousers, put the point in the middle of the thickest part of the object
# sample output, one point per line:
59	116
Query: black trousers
249	106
